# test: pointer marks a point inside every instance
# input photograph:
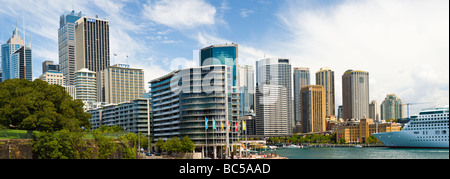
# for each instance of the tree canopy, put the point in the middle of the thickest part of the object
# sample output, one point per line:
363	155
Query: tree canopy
39	106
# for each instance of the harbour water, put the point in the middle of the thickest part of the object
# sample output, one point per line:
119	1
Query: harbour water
363	153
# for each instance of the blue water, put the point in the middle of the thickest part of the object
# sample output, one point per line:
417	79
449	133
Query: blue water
363	153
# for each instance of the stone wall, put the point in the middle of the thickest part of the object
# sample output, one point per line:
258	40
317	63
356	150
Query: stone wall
16	149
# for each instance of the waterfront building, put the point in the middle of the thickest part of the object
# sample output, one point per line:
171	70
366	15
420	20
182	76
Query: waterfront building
355	94
374	111
92	44
53	78
247	89
66	45
392	108
301	79
86	88
222	54
313	108
120	83
339	116
274	97
182	100
16	58
325	77
133	116
357	131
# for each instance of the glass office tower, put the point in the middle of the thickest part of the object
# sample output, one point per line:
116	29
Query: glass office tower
66	45
12	45
226	54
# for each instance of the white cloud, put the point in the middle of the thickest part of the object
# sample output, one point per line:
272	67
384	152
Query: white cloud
403	44
180	14
246	12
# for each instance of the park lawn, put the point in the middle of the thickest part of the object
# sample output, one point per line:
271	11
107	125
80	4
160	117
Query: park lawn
15	134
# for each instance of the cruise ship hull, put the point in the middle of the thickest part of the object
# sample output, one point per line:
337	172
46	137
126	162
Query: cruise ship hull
404	139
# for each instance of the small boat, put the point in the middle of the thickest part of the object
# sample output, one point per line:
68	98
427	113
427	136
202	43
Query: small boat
358	145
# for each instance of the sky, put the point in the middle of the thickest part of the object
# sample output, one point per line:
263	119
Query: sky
403	44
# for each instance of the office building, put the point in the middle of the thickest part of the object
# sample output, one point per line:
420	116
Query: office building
392	108
92	44
313	108
374	111
183	99
224	54
325	77
133	116
86	88
16	58
66	45
48	65
355	94
301	79
274	97
120	83
53	78
247	90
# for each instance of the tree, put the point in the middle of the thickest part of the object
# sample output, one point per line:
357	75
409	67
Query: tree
39	106
62	145
187	145
106	146
160	144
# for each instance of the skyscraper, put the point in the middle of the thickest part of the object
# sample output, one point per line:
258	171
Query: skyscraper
392	108
92	44
247	89
355	94
301	79
225	54
325	77
313	108
66	45
48	65
273	97
11	54
21	64
374	111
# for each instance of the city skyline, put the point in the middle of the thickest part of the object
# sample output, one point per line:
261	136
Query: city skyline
312	34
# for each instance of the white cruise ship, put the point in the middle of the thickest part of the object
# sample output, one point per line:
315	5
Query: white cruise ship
429	130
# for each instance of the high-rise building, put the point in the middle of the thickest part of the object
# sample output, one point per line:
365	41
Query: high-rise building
247	90
313	108
274	97
53	78
86	88
374	111
16	58
325	77
92	44
339	116
392	108
66	45
355	94
225	54
301	79
120	83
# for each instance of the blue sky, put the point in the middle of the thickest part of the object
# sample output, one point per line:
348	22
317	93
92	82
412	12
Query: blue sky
403	44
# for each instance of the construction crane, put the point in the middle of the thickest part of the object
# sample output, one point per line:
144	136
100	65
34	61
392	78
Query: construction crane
410	104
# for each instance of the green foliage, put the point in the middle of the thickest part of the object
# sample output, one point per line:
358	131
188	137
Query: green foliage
160	144
129	142
39	106
106	146
187	145
61	145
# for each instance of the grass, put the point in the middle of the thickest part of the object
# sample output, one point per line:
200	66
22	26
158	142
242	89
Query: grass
15	134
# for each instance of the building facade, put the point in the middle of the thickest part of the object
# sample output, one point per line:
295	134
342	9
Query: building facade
16	58
392	108
301	78
120	83
86	88
182	100
133	116
313	108
274	97
48	65
92	44
247	89
224	54
357	131
66	45
53	78
325	77
355	94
